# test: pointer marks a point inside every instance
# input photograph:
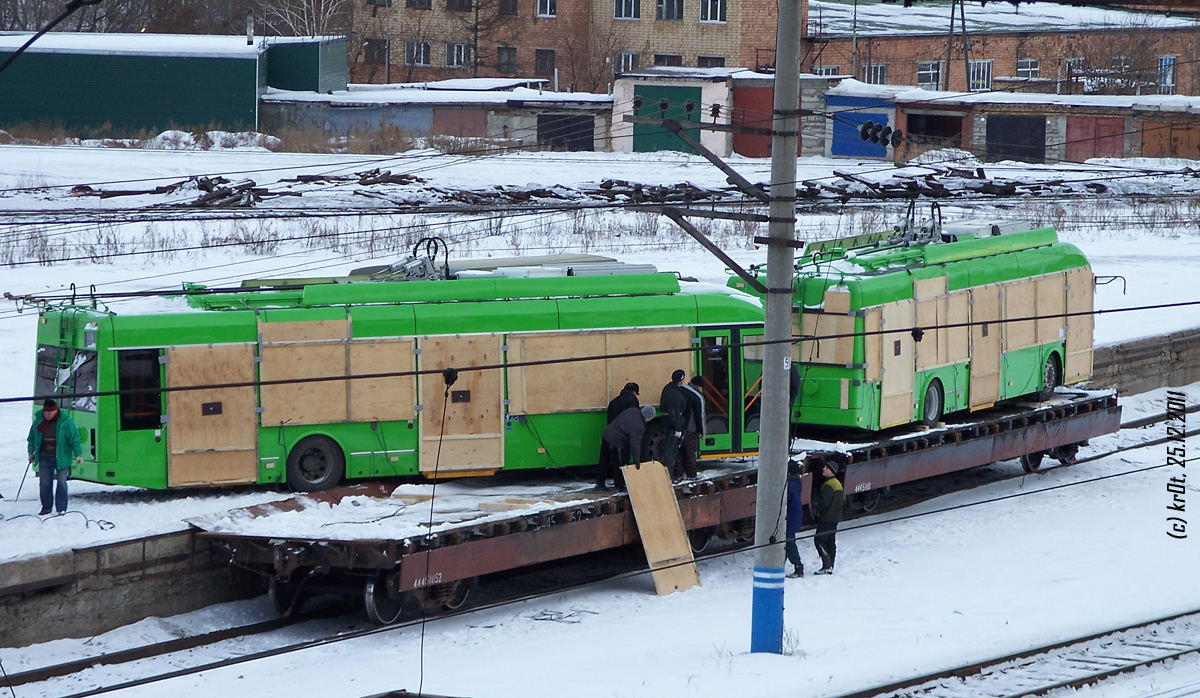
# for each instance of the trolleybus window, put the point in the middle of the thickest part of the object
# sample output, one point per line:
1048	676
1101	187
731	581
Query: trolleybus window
76	375
714	371
137	369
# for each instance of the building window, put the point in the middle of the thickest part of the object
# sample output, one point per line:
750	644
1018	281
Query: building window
508	7
458	55
420	4
375	51
875	73
547	8
380	3
712	10
1166	75
668	59
825	70
669	9
1028	68
929	75
627	9
416	53
981	76
543	61
627	62
710	61
459	5
506	59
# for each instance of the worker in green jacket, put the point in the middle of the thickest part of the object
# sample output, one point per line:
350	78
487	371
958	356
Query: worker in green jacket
53	444
827	510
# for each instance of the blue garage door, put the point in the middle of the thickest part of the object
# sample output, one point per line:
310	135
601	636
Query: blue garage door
848	114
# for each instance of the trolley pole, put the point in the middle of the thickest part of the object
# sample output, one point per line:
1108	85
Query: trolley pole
766	629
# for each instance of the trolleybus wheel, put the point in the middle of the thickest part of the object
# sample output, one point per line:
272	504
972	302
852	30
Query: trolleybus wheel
1051	377
382	608
286	597
932	407
315	463
1030	462
655	443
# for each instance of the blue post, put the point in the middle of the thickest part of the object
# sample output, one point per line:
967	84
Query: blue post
766	623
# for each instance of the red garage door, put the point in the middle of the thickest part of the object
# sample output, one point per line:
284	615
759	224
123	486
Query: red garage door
1095	137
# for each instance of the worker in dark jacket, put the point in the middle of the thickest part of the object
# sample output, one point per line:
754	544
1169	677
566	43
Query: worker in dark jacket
628	397
622	440
827	510
795	518
693	428
672	404
53	444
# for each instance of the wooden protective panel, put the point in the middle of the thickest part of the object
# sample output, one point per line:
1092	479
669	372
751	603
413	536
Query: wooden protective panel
564	387
837	301
835	338
660	527
649	372
985	346
896	404
930	295
1051	304
873	344
297	351
306	402
958	339
1020	301
471	435
212	434
382	399
1080	294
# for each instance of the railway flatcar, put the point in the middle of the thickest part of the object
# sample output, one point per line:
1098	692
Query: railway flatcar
1001	310
258	384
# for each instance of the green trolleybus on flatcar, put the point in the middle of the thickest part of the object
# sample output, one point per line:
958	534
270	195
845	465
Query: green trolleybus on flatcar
255	384
1000	310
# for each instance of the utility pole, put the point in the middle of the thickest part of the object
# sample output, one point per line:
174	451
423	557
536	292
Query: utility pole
766	631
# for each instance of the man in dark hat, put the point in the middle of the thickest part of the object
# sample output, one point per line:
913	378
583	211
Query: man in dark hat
628	397
672	404
827	510
693	427
53	444
622	440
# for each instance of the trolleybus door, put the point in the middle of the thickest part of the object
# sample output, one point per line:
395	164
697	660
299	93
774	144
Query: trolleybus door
462	424
748	385
212	434
716	379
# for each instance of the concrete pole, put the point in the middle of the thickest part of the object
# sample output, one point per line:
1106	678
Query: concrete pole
766	631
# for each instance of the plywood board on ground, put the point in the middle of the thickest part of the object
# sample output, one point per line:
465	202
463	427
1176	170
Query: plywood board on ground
660	526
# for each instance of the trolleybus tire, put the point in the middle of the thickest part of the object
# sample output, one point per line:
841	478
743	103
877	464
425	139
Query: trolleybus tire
933	405
314	464
1030	462
1051	376
382	608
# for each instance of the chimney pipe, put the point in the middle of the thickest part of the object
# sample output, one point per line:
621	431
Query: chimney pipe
249	29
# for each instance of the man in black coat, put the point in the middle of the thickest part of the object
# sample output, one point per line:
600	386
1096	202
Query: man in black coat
621	440
672	404
628	397
693	427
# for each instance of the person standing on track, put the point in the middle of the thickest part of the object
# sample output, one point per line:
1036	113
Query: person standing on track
795	518
693	427
827	510
672	404
53	442
622	440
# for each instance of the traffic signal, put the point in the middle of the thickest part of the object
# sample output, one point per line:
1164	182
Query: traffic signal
878	133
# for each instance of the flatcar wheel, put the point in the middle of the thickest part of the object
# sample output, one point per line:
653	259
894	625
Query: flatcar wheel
461	592
1030	462
868	501
314	464
382	609
449	596
1051	377
286	597
933	405
699	538
1065	454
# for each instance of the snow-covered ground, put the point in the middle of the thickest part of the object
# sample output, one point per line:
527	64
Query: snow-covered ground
910	597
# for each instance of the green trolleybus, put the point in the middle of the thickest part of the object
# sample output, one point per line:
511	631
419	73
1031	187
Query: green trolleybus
256	384
1001	311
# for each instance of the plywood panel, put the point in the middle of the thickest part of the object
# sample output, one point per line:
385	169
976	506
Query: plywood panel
837	301
564	387
307	401
1019	302
985	346
1080	296
1051	304
958	335
925	289
835	338
315	330
873	344
898	364
650	372
468	428
660	527
212	434
382	399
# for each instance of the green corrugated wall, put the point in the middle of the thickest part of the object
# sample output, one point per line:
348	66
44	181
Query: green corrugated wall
317	66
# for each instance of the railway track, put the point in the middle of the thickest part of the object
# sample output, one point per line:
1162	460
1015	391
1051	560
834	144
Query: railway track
1069	664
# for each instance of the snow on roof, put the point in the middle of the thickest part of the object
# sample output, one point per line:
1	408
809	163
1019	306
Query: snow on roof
906	94
362	96
190	45
714	74
830	18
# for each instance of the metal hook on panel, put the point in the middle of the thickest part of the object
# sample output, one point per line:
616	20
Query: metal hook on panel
72	293
1102	280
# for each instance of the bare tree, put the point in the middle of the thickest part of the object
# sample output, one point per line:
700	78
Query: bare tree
593	55
1128	61
308	17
